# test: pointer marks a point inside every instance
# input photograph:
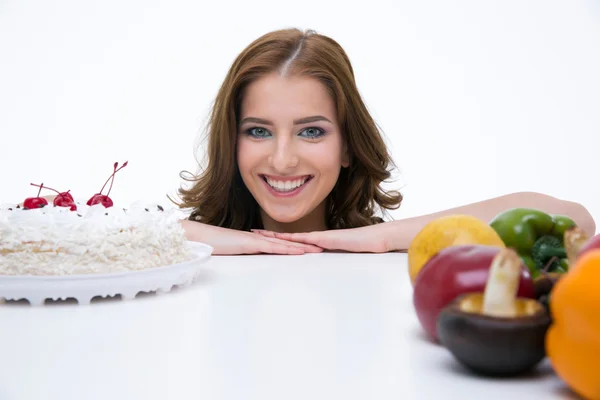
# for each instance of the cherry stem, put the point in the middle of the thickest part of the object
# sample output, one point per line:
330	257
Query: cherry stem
42	186
109	178
113	176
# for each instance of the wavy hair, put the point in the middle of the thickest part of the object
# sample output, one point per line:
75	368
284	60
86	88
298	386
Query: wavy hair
218	196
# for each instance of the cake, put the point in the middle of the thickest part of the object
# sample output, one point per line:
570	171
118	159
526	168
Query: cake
59	240
65	237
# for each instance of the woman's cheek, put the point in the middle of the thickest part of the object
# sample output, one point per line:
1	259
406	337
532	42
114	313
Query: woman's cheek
326	154
246	156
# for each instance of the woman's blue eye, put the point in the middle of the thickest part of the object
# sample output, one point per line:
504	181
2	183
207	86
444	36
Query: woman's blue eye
309	133
258	132
312	133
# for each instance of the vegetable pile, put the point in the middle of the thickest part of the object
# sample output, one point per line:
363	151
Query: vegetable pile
500	307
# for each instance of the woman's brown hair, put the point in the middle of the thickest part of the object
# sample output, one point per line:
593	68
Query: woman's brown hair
218	195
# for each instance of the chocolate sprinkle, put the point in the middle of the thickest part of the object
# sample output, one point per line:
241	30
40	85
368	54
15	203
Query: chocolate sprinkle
146	209
160	207
18	206
10	209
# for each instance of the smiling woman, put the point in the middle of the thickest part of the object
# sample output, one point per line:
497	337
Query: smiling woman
289	165
296	162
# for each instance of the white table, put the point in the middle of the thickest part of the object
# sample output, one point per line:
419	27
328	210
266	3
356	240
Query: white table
319	326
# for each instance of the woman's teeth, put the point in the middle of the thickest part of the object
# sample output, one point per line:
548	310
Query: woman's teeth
286	186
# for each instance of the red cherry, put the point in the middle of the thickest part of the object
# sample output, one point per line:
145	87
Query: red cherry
35	202
65	196
100	198
63	199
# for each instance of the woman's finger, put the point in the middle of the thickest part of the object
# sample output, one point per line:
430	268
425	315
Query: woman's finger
268	235
311	240
307	238
296	237
307	247
271	247
264	233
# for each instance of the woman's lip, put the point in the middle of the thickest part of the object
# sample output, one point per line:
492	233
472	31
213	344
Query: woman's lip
291	193
285	178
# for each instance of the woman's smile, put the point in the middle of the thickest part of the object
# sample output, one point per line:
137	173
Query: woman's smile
290	148
288	186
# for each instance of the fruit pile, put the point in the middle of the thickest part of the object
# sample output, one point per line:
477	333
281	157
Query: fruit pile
499	296
65	199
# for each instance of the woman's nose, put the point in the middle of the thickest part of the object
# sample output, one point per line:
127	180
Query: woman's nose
283	156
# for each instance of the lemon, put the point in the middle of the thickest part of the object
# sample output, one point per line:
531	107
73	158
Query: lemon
451	230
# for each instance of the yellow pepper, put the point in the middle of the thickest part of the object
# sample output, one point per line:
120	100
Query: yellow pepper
573	340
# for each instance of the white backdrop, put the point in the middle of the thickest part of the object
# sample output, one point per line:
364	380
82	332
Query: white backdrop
477	99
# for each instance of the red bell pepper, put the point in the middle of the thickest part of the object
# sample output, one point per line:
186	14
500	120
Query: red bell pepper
454	271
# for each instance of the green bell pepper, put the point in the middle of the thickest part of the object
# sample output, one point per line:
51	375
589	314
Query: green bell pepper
538	237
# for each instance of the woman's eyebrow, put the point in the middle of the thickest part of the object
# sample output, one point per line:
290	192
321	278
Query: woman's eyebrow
314	118
300	121
256	121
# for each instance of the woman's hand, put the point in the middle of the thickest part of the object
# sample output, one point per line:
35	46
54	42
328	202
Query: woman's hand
230	242
368	239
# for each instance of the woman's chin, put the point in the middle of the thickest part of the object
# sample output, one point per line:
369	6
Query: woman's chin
284	213
283	217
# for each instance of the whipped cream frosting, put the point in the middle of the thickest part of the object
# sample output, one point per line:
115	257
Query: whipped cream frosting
94	239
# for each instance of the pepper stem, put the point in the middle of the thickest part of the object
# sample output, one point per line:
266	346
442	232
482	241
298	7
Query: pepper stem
499	296
545	248
574	239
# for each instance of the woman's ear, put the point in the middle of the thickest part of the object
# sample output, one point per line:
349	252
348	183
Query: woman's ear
345	162
345	156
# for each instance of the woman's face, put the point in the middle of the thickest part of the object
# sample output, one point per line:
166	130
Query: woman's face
290	150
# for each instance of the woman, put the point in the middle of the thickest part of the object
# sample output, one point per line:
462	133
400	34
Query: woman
295	161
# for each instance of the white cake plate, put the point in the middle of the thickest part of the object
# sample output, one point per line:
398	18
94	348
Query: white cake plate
36	289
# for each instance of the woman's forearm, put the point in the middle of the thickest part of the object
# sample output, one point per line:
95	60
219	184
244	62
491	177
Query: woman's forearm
406	229
222	240
196	231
